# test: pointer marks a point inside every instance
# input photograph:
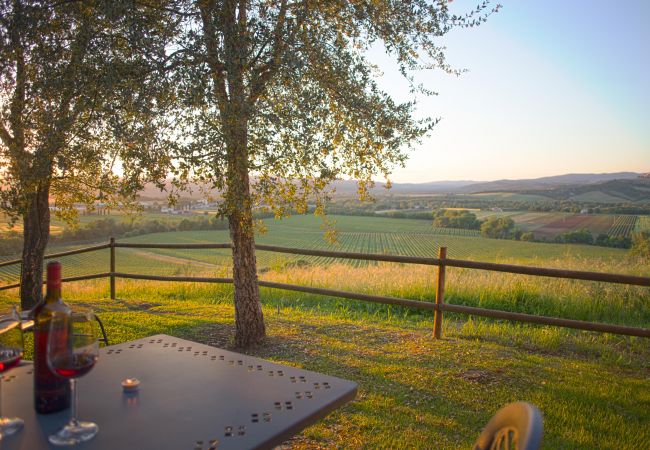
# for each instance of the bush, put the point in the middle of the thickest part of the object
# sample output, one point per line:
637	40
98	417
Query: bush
498	228
528	236
185	225
582	236
641	244
613	241
450	218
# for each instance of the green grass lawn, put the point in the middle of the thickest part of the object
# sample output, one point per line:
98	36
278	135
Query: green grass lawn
414	391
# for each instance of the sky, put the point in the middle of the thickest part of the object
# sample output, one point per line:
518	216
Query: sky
552	87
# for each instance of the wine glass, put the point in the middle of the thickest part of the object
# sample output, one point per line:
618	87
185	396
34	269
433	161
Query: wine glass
11	352
72	350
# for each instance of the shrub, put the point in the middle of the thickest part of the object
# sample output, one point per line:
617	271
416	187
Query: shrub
582	236
450	218
641	244
498	227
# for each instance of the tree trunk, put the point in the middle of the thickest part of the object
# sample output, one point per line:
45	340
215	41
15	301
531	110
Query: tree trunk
249	320
36	233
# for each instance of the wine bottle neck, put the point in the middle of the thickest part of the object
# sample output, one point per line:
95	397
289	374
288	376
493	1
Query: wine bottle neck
53	284
53	294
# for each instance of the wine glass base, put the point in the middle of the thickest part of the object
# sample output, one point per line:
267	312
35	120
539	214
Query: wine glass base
9	425
74	433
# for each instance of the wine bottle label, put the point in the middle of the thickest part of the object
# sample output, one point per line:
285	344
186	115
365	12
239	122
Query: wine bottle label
51	393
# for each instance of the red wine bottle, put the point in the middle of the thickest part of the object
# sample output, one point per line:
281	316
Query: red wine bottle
51	392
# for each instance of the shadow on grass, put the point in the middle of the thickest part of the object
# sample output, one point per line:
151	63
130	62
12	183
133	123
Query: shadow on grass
415	392
395	407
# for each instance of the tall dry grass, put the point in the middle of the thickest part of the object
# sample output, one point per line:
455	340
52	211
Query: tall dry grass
580	300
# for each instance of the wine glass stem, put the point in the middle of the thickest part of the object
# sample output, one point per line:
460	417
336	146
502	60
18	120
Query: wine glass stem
73	406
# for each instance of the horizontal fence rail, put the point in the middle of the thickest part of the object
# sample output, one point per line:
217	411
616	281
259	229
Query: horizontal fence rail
135	276
68	279
61	254
438	307
173	246
553	273
544	320
350	255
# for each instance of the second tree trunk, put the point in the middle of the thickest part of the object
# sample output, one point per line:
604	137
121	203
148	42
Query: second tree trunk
36	233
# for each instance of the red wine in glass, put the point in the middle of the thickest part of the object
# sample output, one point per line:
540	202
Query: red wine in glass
9	357
75	366
72	350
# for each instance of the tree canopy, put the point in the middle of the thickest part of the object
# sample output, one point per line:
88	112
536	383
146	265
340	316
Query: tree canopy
296	75
73	105
268	101
278	98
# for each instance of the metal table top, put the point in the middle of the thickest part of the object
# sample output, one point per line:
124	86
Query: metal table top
192	396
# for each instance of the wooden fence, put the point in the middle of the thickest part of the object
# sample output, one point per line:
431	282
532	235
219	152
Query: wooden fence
442	262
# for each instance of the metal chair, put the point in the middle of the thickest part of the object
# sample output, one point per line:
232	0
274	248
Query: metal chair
517	426
27	325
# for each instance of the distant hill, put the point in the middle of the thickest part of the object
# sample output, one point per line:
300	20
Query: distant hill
546	182
432	187
597	187
617	188
613	191
343	187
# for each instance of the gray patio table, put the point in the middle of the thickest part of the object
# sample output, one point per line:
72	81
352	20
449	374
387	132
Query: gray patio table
192	396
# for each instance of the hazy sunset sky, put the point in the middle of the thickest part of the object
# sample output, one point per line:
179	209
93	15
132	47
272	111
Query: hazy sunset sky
553	87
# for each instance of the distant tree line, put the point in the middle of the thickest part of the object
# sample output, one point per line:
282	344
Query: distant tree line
103	228
403	206
492	227
584	236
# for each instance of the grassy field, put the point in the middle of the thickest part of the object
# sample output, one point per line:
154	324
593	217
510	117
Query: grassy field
415	392
545	225
355	234
6	228
548	225
594	389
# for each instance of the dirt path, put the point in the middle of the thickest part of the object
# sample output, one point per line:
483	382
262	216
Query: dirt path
174	259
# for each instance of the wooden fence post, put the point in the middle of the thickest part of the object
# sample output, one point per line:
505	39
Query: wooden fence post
112	276
440	293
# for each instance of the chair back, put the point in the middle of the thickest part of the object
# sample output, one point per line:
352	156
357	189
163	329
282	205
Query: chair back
517	426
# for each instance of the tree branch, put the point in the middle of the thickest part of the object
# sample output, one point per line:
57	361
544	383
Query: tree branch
207	9
18	100
5	136
266	72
